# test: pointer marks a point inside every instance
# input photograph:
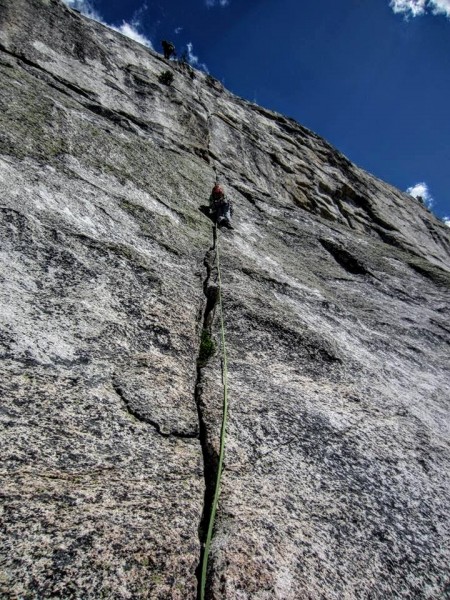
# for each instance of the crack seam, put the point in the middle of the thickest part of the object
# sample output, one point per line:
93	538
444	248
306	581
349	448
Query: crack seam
210	459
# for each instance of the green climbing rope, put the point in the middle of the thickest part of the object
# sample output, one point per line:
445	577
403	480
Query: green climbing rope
222	436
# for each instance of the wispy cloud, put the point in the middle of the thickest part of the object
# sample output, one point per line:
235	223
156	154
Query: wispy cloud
129	29
178	30
446	221
421	190
193	59
85	7
416	8
211	3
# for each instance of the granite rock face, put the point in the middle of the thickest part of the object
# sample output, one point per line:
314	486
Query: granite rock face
336	299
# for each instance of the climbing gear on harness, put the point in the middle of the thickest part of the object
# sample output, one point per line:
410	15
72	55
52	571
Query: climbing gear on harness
223	433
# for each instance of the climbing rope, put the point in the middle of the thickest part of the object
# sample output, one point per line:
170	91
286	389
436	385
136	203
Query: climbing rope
222	435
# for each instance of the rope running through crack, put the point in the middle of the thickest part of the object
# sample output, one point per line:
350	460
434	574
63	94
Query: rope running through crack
222	437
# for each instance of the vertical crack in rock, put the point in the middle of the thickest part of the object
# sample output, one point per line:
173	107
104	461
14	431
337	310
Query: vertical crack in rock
206	351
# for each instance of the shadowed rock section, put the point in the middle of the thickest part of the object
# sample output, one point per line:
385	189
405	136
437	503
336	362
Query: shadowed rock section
336	302
344	258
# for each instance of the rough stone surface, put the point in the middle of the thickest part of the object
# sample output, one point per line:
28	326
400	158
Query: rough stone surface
336	299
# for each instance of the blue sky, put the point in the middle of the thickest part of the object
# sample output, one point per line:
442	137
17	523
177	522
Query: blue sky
371	76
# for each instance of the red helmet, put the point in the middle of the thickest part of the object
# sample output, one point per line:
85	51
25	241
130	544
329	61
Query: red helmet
217	191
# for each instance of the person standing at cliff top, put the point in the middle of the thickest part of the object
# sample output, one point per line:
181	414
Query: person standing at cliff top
221	207
168	48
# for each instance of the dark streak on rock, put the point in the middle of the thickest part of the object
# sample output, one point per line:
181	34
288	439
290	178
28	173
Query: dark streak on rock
344	257
78	90
430	271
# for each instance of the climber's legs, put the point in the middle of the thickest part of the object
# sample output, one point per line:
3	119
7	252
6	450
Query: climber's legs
223	216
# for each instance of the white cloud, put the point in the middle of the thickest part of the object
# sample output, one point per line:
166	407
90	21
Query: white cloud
193	59
446	221
178	30
416	8
421	190
130	30
211	3
441	7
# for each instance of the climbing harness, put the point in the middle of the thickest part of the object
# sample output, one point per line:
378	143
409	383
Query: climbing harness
223	432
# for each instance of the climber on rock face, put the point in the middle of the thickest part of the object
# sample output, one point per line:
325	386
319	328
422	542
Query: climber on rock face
168	48
221	207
